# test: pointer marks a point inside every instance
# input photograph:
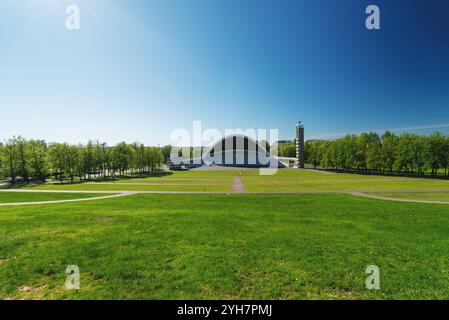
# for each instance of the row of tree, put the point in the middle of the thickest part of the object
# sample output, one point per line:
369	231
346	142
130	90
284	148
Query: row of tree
287	149
407	153
36	159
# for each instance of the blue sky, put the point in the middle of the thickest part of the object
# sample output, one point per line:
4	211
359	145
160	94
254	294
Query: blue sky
139	69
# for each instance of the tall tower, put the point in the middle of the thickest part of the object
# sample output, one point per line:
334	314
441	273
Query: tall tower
300	145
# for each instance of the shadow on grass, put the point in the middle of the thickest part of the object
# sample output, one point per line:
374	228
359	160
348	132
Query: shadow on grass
20	185
66	181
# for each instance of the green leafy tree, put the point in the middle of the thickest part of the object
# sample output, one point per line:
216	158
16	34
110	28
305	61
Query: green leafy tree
39	161
436	153
58	153
389	144
11	158
287	149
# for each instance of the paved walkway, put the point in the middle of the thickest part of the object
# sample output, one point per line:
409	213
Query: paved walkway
361	194
60	191
237	185
64	201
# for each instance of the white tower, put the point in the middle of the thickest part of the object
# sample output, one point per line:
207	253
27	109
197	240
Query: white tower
300	145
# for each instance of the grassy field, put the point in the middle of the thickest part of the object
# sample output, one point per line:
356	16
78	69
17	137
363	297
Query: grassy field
225	246
179	181
284	180
230	246
7	197
296	180
129	187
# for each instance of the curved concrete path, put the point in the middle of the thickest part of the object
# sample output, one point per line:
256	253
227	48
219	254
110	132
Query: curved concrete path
370	196
64	201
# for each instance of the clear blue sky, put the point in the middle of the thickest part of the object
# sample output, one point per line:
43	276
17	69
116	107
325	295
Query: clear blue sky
139	69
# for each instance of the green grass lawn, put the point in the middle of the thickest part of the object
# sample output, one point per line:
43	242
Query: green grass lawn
297	180
284	180
10	197
178	181
226	246
129	187
434	196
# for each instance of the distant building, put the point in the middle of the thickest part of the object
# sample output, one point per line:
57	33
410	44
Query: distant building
238	151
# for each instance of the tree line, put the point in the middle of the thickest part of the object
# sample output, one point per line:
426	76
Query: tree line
386	154
27	160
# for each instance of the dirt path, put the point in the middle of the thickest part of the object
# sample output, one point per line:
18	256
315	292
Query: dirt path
237	185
